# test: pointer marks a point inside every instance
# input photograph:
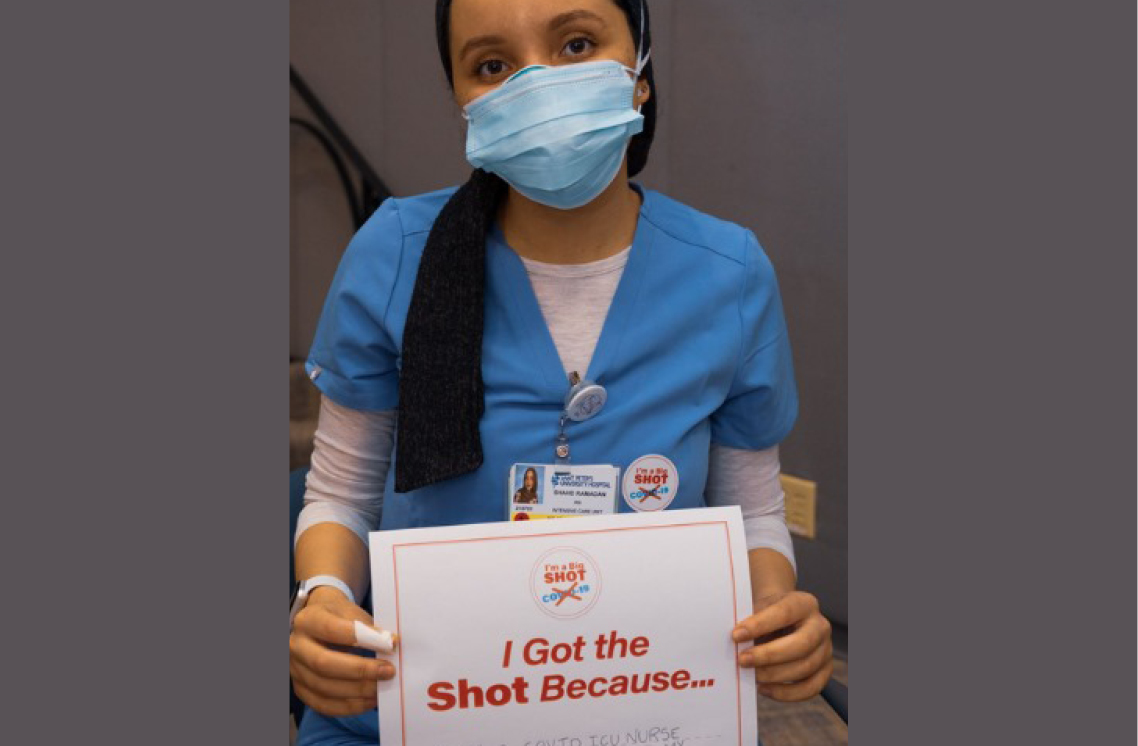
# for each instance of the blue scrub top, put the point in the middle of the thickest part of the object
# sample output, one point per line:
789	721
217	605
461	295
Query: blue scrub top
694	350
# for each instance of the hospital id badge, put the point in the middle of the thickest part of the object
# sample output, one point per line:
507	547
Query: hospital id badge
540	491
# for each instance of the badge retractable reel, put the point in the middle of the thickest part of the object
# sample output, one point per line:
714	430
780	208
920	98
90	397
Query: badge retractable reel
562	488
584	400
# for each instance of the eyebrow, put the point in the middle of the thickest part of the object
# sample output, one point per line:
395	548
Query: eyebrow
574	15
490	40
479	41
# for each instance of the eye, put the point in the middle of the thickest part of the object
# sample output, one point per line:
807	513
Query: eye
579	46
491	68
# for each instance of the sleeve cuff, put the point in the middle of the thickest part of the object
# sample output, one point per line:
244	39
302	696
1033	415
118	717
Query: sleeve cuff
770	532
315	513
346	393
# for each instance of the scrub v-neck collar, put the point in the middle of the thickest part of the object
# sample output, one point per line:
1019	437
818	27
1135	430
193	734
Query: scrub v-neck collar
505	260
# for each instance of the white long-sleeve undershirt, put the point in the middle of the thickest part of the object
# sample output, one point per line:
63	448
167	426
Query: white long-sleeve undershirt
353	448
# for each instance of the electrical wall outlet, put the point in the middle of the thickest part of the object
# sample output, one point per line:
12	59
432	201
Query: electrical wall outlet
800	505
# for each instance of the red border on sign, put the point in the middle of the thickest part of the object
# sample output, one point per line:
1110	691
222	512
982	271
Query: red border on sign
399	621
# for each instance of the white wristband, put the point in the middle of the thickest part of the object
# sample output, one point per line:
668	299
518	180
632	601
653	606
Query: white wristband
310	584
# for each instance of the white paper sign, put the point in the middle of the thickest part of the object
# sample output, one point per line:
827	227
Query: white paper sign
599	631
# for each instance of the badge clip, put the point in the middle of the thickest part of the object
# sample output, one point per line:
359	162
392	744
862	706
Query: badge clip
585	398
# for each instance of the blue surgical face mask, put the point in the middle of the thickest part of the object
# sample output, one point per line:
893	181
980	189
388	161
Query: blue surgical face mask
556	134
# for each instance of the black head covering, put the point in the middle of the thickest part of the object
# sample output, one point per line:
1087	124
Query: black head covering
440	382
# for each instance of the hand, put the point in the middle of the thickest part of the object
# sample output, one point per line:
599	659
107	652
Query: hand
795	663
330	681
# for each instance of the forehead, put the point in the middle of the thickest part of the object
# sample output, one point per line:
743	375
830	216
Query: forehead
470	18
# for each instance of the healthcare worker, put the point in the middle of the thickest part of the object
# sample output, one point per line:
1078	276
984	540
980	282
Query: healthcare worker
463	324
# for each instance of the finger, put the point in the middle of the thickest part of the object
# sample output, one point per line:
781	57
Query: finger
798	670
339	605
331	707
787	611
759	656
369	635
329	626
801	690
331	688
798	644
371	638
334	664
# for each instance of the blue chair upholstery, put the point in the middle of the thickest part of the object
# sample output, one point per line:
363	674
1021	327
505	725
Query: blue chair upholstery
296	502
837	696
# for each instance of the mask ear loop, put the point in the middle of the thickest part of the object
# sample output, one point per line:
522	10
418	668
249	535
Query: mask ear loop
641	57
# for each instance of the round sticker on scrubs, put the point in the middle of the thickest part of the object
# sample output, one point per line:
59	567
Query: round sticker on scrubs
650	483
565	583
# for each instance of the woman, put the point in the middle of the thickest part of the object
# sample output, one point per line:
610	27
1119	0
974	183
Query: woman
527	495
547	259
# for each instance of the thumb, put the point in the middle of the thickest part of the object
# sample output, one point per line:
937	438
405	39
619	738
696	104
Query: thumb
368	635
373	638
346	624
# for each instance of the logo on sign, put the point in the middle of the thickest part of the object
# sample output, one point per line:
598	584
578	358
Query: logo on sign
565	583
650	483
